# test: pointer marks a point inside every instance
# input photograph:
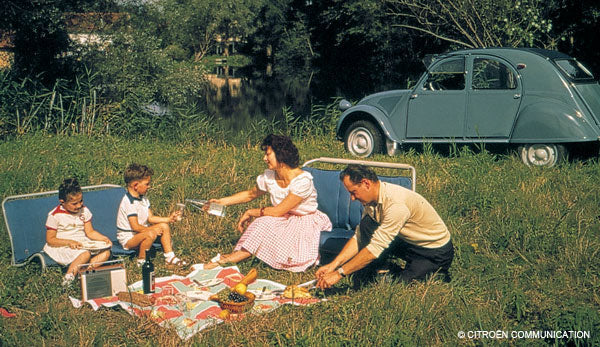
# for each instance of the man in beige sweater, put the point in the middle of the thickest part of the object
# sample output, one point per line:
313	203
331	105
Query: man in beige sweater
396	222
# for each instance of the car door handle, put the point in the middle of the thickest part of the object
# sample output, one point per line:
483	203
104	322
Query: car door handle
516	96
414	96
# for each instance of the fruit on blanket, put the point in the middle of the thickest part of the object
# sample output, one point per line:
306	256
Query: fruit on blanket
240	288
224	315
250	277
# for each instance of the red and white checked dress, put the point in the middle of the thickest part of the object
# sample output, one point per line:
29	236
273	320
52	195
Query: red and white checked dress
289	242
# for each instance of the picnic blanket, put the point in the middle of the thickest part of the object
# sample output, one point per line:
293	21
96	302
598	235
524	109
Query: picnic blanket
181	302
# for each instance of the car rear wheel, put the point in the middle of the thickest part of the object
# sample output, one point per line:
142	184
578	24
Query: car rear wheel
363	139
539	154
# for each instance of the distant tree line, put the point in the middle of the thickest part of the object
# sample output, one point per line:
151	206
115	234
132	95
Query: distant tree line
366	42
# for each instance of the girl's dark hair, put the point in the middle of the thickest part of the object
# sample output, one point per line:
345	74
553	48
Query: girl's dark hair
285	150
356	173
68	187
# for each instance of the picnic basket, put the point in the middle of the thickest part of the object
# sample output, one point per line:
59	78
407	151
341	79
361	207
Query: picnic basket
238	307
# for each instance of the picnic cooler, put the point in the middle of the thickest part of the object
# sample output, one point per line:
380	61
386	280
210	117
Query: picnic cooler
106	280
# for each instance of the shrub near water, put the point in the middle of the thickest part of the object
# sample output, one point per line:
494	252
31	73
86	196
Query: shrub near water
526	248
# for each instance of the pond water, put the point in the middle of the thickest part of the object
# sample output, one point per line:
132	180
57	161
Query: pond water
242	96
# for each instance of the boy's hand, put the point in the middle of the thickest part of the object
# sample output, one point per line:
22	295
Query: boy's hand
173	216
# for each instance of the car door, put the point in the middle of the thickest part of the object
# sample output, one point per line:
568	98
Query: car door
493	98
436	108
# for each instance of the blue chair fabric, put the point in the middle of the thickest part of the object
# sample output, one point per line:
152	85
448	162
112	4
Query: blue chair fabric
334	200
25	218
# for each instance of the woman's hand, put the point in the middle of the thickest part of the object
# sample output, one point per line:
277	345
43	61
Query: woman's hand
210	201
244	221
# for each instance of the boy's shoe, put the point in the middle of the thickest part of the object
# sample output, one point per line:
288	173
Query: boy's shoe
68	279
140	262
174	261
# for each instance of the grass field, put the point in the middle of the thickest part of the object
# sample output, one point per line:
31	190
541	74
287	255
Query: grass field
526	241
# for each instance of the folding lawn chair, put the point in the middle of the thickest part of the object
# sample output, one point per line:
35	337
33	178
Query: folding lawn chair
25	217
334	200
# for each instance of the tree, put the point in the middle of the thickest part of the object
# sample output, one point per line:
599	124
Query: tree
477	23
194	25
576	23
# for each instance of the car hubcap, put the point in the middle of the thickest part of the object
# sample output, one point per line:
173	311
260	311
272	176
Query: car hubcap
360	142
541	155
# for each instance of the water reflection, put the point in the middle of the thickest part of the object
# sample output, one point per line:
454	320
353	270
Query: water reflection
240	97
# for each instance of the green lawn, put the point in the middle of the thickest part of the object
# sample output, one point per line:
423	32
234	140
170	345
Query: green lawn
526	241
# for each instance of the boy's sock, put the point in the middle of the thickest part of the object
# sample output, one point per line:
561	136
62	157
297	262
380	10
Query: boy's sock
169	256
140	262
68	279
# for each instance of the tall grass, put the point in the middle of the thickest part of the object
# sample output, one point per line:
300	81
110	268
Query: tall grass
526	242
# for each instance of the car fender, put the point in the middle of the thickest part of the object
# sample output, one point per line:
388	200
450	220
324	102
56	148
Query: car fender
365	112
549	121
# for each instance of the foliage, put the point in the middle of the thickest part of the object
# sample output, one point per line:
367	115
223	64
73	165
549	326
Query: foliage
194	25
477	23
576	22
40	38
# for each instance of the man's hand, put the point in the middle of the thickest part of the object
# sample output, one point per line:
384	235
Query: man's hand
324	270
328	280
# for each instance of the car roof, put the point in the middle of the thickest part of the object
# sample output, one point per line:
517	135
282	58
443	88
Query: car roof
545	53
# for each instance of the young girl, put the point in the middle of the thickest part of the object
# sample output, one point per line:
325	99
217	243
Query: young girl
67	227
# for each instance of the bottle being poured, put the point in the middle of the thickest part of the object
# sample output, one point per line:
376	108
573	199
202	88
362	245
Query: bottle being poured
208	207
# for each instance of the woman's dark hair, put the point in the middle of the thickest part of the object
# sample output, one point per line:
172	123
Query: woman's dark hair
285	150
68	187
356	173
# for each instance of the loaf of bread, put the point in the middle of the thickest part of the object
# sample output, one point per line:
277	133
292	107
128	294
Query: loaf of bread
136	298
295	292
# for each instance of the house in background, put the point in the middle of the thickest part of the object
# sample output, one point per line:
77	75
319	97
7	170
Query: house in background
6	49
94	28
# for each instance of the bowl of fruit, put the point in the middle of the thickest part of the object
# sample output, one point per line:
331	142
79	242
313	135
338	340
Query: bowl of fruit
234	301
237	299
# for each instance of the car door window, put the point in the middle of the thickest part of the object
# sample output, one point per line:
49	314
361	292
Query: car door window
449	75
492	74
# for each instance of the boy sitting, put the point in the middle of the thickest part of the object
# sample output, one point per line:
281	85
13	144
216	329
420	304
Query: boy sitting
137	227
68	226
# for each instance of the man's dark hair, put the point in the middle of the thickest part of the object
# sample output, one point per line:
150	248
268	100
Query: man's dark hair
135	172
356	173
69	186
285	150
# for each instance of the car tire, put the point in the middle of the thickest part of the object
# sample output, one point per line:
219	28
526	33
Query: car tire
363	138
542	155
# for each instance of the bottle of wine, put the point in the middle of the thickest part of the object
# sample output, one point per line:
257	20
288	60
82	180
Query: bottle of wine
148	274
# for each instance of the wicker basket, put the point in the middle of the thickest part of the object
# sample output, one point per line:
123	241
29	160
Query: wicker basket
239	307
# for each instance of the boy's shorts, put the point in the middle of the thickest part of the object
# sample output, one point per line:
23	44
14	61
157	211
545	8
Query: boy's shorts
124	236
66	255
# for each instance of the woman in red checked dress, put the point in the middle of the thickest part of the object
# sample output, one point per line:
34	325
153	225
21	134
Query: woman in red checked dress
286	234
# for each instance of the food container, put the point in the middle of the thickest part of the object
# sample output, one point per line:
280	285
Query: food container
238	307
